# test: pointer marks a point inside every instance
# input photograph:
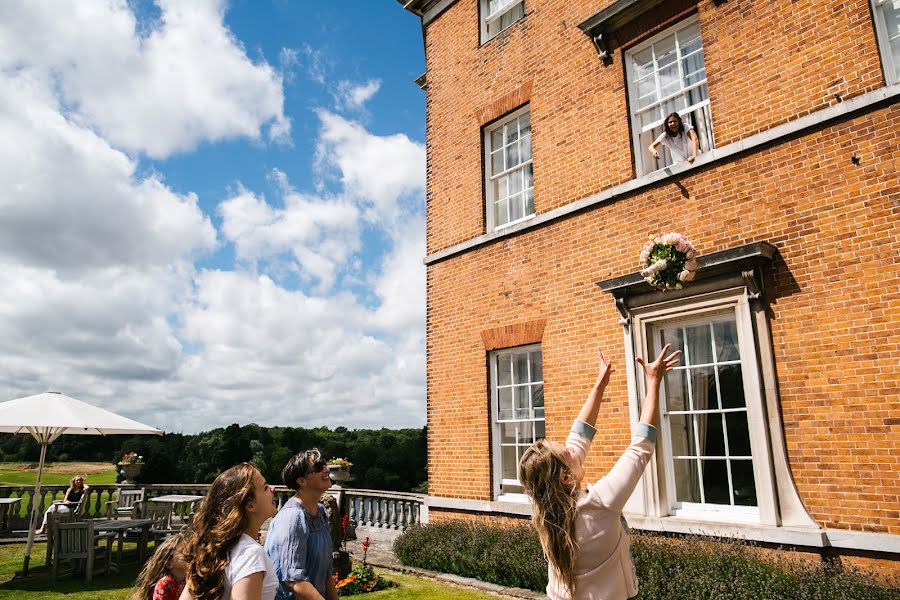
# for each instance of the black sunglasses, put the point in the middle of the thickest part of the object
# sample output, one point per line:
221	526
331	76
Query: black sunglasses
317	467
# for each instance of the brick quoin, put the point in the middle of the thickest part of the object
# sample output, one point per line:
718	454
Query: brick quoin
827	197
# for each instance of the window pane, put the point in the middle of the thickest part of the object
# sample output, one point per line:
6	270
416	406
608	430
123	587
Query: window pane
537	395
508	433
743	482
505	404
529	202
676	390
668	78
665	52
687	488
675	337
502	187
529	176
699	345
525	148
731	383
504	369
497	139
703	389
515	182
537	366
522	403
497	162
643	63
738	434
512	155
512	132
501	216
715	482
516	210
539	431
712	439
508	462
520	367
725	333
682	435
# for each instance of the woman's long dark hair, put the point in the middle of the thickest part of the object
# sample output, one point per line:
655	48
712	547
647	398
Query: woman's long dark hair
677	117
216	528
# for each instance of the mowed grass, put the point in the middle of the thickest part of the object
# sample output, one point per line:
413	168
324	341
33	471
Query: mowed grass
118	586
60	473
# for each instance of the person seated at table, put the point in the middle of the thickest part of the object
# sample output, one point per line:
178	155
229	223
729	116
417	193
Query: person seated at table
72	498
162	578
224	560
299	538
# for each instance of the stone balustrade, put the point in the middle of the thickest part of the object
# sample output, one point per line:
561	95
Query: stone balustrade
374	508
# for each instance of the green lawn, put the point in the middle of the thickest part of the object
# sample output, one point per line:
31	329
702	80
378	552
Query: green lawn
117	587
57	473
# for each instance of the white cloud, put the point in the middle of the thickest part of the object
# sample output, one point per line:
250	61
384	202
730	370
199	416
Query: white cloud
73	203
353	96
381	170
321	234
188	80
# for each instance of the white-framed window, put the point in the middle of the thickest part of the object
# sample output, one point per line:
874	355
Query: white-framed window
497	15
714	460
509	178
887	28
667	74
517	412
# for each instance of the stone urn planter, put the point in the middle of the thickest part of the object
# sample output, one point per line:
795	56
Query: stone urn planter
339	474
130	472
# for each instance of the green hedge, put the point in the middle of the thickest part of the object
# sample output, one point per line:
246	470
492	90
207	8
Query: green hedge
687	568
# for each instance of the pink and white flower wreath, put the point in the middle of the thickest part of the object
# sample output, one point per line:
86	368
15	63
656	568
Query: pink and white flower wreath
668	261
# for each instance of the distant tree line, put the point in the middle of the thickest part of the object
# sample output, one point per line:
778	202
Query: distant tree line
383	459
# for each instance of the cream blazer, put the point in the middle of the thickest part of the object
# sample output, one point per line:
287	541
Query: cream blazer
604	569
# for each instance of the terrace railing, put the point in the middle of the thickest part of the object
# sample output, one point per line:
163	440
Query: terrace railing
375	508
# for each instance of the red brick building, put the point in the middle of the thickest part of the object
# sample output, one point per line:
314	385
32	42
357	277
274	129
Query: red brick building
783	423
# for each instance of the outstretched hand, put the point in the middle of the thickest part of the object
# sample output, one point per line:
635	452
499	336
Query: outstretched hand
604	370
662	365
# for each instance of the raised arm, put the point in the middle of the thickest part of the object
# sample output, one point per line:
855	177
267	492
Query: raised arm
655	372
617	486
591	406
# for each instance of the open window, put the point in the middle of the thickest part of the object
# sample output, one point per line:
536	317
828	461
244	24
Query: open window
497	15
667	74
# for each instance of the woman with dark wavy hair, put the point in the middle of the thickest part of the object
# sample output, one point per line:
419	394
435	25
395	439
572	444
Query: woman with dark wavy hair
582	531
224	559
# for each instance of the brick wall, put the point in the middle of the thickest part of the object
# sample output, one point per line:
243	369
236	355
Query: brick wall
767	63
834	310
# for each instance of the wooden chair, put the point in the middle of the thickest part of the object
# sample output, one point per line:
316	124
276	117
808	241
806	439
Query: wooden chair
54	518
76	542
161	515
129	504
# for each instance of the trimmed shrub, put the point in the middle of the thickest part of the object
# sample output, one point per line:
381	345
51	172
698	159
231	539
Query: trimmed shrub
681	568
509	556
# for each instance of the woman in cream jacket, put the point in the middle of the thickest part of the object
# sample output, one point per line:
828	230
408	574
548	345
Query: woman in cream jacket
581	529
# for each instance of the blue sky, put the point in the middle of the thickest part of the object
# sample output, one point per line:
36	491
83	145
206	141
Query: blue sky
215	210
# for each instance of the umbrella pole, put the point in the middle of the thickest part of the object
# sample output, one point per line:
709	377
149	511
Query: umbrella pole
32	522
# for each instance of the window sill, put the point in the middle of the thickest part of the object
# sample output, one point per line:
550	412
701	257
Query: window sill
773	136
795	536
505	505
505	226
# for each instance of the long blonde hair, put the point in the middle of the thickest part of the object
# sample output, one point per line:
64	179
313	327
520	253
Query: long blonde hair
157	567
216	528
541	471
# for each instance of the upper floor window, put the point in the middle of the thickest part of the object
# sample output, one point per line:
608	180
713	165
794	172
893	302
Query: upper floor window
887	26
509	185
497	15
667	74
517	411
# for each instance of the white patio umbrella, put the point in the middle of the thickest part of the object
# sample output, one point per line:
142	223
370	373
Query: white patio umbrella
51	414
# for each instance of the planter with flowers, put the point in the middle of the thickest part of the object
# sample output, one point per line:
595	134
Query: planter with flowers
339	469
669	261
362	578
130	466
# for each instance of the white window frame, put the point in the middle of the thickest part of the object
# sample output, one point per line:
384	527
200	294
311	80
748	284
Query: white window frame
496	458
662	501
698	114
487	20
890	63
488	168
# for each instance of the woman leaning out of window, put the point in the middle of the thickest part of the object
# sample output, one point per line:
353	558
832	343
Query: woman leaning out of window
679	138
